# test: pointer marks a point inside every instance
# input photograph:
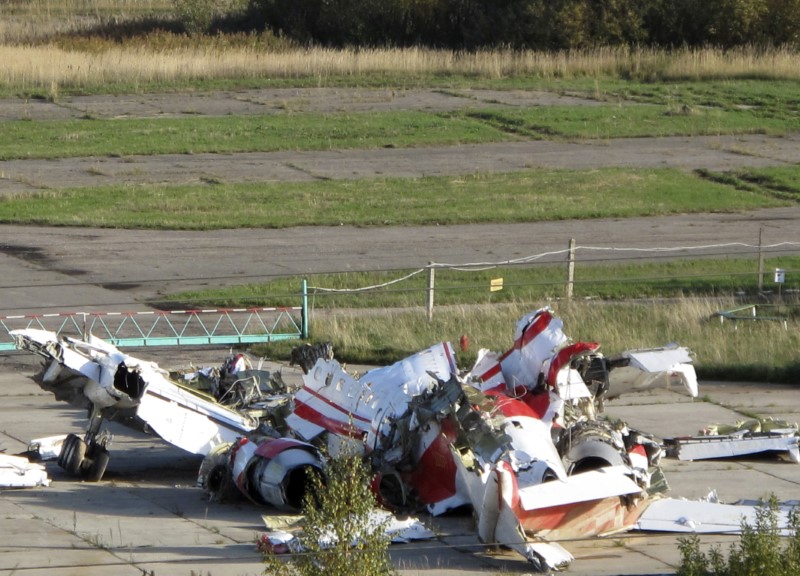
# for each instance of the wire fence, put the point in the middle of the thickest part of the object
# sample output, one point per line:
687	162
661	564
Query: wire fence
747	270
754	273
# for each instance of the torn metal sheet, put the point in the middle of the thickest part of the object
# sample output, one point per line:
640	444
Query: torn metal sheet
282	536
667	367
47	448
730	446
752	425
702	517
19	472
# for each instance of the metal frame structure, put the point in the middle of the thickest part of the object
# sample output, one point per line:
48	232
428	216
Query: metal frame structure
222	326
168	328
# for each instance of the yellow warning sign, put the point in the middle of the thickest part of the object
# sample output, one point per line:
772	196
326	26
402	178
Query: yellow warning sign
495	284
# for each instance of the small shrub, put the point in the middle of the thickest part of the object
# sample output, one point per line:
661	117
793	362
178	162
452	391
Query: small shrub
340	536
693	560
195	15
759	551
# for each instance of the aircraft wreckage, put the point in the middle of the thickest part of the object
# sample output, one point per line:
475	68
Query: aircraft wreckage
517	437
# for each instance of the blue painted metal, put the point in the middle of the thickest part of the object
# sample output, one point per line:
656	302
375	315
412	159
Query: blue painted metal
168	328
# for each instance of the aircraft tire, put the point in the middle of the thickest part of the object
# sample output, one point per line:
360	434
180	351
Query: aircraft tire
66	447
99	463
75	457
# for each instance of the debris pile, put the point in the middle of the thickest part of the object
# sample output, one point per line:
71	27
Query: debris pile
518	438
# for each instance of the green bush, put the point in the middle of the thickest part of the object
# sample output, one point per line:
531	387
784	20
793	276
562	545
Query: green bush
759	551
339	536
195	15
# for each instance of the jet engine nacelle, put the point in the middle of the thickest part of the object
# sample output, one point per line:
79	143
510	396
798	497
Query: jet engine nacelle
275	471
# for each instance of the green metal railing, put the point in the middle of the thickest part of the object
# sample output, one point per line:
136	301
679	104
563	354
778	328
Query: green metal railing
753	312
225	326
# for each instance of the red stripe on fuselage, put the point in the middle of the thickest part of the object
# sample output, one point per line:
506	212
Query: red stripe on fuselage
510	407
539	324
565	355
530	333
319	396
332	425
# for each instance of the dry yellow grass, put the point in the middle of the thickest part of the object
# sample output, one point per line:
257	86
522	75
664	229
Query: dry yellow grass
779	63
31	61
616	326
45	67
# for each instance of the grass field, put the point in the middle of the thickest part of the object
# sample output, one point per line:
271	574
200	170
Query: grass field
534	195
655	277
399	129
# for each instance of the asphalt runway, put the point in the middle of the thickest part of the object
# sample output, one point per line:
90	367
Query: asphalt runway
65	269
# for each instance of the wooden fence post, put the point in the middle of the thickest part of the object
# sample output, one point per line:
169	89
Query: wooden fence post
431	279
570	269
760	261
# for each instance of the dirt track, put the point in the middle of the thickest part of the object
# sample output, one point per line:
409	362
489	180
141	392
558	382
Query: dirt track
70	268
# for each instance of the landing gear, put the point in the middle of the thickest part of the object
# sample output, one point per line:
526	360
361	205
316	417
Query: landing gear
86	457
97	463
72	454
89	461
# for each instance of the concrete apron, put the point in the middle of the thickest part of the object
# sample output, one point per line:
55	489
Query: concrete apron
148	517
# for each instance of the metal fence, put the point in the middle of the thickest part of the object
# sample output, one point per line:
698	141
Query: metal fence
168	328
149	328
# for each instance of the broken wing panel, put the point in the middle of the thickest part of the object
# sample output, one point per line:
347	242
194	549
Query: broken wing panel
114	379
655	367
592	485
77	369
188	421
675	515
711	447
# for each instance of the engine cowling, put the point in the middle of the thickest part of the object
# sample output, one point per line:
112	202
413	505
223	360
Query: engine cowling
275	471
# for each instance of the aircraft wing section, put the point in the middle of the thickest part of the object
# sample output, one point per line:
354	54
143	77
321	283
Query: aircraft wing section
187	420
97	374
592	485
702	517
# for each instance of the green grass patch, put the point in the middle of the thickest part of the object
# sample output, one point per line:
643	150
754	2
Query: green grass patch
759	98
297	130
529	196
229	134
707	277
627	121
761	352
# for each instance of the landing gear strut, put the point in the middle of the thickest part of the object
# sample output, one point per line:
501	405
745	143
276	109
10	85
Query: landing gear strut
88	456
